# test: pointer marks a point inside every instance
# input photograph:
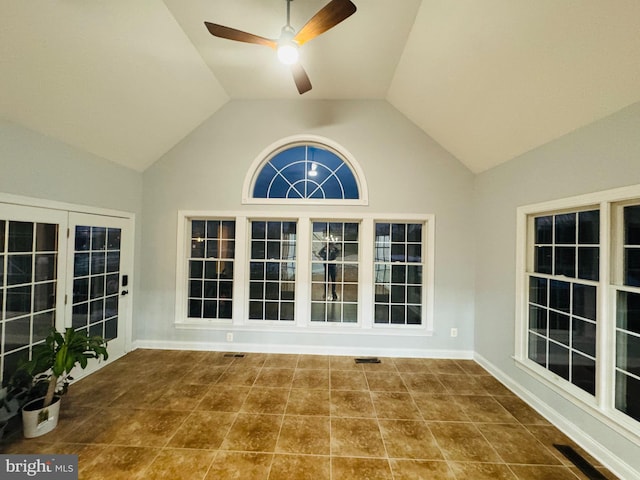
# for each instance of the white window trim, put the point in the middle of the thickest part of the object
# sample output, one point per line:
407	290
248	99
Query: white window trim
302	323
602	405
256	167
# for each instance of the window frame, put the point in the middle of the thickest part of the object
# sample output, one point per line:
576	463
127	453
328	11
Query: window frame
602	404
302	322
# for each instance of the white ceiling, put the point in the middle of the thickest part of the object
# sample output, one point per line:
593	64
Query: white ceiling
487	79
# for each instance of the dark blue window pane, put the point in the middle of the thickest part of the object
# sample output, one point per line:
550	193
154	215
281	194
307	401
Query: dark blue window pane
306	172
589	227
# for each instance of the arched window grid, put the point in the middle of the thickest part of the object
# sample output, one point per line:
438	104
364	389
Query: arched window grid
278	177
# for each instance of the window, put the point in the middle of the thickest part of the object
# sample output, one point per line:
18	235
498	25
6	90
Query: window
562	295
255	271
398	273
335	268
273	270
211	268
627	379
578	307
305	169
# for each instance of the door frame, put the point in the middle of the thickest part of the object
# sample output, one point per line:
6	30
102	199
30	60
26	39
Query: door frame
128	242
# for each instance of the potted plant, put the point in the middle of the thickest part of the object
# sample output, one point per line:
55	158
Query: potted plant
49	372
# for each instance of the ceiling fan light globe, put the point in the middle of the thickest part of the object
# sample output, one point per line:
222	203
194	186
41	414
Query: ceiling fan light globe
288	54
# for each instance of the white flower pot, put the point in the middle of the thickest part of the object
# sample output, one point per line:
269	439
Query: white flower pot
36	420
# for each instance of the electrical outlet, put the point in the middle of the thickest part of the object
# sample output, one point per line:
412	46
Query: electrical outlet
454	332
229	336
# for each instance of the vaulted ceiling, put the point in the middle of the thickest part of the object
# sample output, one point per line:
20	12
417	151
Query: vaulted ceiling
487	79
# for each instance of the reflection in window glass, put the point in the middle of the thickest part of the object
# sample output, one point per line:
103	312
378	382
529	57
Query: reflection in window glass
398	271
334	272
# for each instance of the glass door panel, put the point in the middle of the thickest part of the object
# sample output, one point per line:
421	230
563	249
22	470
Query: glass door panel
29	279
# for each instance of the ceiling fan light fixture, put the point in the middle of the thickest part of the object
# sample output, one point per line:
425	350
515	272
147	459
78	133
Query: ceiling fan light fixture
288	53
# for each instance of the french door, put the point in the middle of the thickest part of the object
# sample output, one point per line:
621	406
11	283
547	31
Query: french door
62	269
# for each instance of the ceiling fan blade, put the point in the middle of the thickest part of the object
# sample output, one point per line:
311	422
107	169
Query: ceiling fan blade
327	17
301	78
238	35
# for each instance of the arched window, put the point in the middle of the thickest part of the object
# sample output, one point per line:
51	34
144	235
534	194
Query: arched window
306	171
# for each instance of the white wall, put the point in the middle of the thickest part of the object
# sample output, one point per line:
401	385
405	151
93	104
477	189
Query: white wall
600	156
406	173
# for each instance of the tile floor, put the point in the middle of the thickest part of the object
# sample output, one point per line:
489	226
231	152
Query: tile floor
204	416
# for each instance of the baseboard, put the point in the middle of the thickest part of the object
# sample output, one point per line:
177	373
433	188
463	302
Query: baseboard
302	349
605	456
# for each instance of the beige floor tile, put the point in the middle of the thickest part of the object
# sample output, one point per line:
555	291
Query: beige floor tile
356	437
180	464
423	382
239	375
204	415
311	379
300	467
439	407
542	472
409	439
274	377
121	463
308	402
315	362
149	428
265	400
345	468
483	471
253	433
344	363
304	435
420	470
348	380
224	398
515	444
484	408
203	429
385	382
240	466
395	405
520	410
281	361
351	404
463	442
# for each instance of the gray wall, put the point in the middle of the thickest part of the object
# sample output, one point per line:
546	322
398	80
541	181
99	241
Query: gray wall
36	166
406	171
600	156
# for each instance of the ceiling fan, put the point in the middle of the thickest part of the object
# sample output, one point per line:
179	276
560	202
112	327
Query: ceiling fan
287	45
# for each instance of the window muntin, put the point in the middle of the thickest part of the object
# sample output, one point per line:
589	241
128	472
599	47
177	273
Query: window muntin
272	270
210	268
96	280
398	270
335	272
308	171
28	276
627	365
562	291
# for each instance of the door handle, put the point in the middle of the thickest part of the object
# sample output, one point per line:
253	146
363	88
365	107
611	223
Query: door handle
125	292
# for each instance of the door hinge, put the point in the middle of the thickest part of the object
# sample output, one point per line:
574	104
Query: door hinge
68	232
65	298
